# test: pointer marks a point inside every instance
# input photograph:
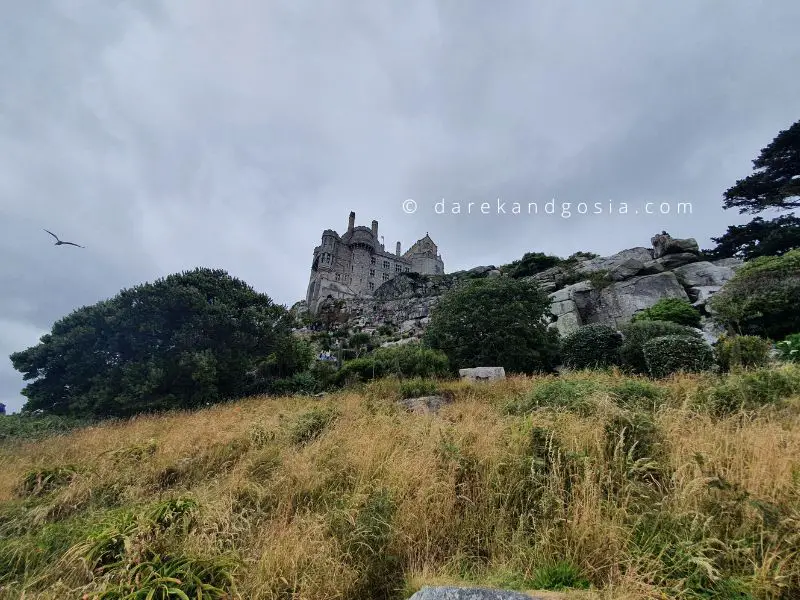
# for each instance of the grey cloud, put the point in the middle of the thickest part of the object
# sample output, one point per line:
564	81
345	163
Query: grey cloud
169	135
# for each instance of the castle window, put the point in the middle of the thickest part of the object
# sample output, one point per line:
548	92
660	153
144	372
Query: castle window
338	277
371	286
372	272
386	264
386	277
408	269
372	260
397	268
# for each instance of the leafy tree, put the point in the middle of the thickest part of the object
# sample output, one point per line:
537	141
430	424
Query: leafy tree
495	322
776	180
758	238
675	310
180	342
761	298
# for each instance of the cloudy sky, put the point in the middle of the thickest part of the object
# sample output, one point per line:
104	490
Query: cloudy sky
168	134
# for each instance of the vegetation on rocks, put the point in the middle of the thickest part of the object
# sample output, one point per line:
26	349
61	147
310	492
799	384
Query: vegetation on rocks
674	310
761	299
591	346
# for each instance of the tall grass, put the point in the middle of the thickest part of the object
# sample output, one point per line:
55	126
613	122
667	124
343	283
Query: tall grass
595	484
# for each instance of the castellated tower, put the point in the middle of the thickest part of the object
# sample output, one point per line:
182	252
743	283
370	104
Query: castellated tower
356	264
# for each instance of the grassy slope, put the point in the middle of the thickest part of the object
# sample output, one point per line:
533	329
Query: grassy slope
700	506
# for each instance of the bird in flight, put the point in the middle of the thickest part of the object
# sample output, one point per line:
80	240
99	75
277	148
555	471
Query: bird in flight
60	243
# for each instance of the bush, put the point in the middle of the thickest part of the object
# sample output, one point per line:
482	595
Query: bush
636	335
637	394
570	394
672	353
591	347
750	390
761	298
409	360
742	351
789	348
414	388
498	322
673	310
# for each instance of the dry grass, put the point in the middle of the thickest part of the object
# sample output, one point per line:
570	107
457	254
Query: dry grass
382	501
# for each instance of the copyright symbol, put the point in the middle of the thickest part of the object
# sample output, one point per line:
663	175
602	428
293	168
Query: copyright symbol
409	206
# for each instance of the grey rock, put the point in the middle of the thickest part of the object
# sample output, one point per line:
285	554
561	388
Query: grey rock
609	263
732	263
653	267
703	274
426	404
483	270
471	593
673	261
700	294
617	303
482	373
626	270
664	244
493	273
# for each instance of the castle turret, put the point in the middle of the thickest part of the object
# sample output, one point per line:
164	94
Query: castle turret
351	223
375	229
397	250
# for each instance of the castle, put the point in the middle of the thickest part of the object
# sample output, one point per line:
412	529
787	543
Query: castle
356	263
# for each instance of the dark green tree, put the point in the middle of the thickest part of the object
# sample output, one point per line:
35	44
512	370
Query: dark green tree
180	342
776	180
495	322
758	238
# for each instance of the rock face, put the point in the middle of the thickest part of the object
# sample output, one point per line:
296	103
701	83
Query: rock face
582	304
482	373
473	593
664	243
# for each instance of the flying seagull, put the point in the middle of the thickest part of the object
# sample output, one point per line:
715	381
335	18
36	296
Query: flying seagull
60	243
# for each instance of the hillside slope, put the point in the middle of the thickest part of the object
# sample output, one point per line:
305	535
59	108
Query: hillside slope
636	488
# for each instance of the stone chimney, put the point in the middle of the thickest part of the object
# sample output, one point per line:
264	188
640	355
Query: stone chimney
397	250
375	229
351	223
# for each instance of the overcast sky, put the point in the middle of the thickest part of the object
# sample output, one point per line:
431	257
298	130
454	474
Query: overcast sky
169	134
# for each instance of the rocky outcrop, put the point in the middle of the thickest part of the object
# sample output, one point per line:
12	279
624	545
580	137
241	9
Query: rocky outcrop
664	244
608	290
638	279
583	303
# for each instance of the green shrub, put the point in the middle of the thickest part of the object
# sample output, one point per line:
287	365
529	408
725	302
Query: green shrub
750	390
790	348
409	360
742	351
560	576
674	310
414	388
569	394
592	346
304	383
761	298
672	353
636	335
636	394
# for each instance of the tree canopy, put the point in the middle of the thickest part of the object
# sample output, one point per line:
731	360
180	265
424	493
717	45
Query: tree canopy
776	180
493	322
758	238
180	342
